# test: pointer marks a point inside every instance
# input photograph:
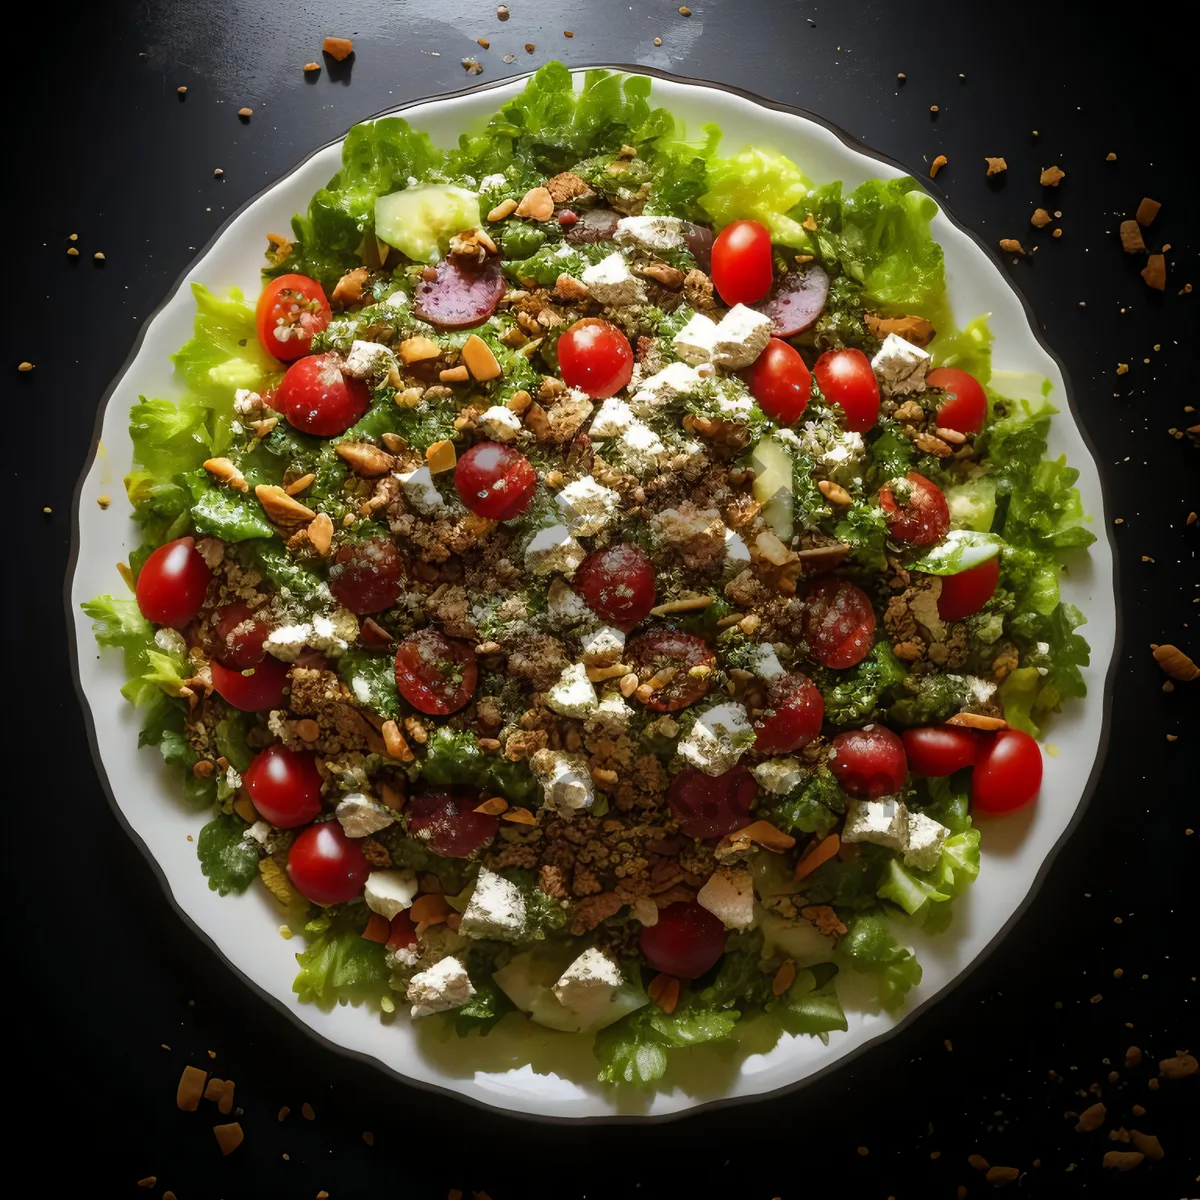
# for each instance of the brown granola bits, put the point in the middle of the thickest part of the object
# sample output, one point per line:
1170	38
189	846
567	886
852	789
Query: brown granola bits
229	1137
1091	1118
1179	1067
998	1176
1122	1160
937	164
1131	237
1052	176
190	1089
1011	246
995	166
1147	210
1148	1144
245	113
1040	219
1155	272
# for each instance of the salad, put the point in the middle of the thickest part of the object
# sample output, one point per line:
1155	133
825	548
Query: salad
596	580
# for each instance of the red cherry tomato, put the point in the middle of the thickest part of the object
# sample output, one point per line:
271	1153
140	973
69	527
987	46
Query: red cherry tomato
365	576
710	806
403	933
317	398
868	762
435	674
686	941
239	639
659	649
795	710
965	406
595	357
172	583
495	481
939	750
1008	772
285	786
968	591
254	690
839	623
780	382
290	311
448	822
922	518
846	379
742	271
326	866
617	584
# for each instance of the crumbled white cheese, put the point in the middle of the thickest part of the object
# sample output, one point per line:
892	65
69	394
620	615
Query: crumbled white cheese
573	695
742	336
695	342
488	182
603	647
334	633
390	892
673	381
729	896
397	300
587	507
566	607
923	839
286	641
360	816
652	233
764	662
981	690
553	551
900	366
368	360
737	553
611	284
883	822
259	832
246	403
496	909
612	418
566	781
170	641
641	449
420	492
444	986
586	987
719	737
779	775
610	717
500	423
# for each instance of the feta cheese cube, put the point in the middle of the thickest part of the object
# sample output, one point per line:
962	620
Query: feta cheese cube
360	816
587	507
737	553
397	299
651	233
334	633
420	492
500	423
640	449
496	909
673	381
553	551
259	832
611	284
742	336
565	607
764	662
286	641
444	986
923	841
779	775
883	822
729	896
695	342
900	366
610	717
603	646
573	695
566	781
390	892
368	360
586	987
719	737
612	418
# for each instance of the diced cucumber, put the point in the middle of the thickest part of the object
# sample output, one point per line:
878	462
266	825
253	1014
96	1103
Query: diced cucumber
773	485
799	940
972	505
420	220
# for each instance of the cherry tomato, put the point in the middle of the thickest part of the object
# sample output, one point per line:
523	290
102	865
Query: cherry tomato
846	379
290	311
868	762
839	623
780	382
172	583
254	690
686	941
965	406
969	590
1008	772
326	866
435	674
665	649
710	806
617	584
795	710
317	398
939	750
365	576
285	786
922	517
403	933
238	643
495	481
742	271
595	357
448	822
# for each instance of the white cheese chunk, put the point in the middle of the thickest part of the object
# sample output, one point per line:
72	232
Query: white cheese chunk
729	896
779	775
286	641
573	695
390	892
444	986
368	360
565	607
586	987
334	633
566	781
500	423
553	551
587	507
496	909
420	492
737	553
610	717
611	284
360	816
764	662
883	822
900	366
742	336
675	380
651	233
695	342
719	737
612	418
924	838
603	647
397	299
640	449
260	832
170	641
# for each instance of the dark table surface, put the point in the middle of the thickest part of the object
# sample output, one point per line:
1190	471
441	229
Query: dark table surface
104	971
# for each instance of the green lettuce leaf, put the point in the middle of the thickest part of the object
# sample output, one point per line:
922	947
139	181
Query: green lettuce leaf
168	439
488	1005
228	860
228	515
1052	654
338	965
372	679
869	946
153	673
760	185
165	729
814	807
811	1004
854	695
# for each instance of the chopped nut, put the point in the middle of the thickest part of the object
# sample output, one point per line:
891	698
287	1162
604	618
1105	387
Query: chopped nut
1052	177
536	204
493	807
976	721
320	533
364	458
520	816
1091	1118
998	1176
418	349
480	360
281	507
1179	1067
1147	211
245	113
309	67
190	1089
229	1137
834	493
1040	219
1148	1144
1123	1160
457	374
24	366
504	209
223	470
995	166
338	48
1011	246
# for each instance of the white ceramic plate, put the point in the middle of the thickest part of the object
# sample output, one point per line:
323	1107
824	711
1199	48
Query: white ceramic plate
496	1071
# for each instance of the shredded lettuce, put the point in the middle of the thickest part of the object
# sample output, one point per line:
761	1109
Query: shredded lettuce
869	946
338	965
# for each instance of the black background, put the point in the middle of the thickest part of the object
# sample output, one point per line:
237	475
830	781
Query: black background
100	968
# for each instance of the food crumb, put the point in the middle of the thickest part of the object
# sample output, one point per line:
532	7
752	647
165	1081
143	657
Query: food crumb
472	66
282	1114
245	113
306	1111
568	33
502	12
148	1182
181	90
1110	157
1118	973
312	66
995	166
368	1137
658	41
72	252
1147	210
1155	272
1131	237
863	1152
1122	368
1011	245
529	47
47	509
99	256
229	1137
1057	233
1040	219
338	48
25	366
937	164
901	77
484	43
684	11
217	172
933	109
1052	176
104	501
1172	737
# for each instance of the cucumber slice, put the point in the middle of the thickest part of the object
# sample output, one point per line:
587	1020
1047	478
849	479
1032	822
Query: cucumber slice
972	505
773	485
420	221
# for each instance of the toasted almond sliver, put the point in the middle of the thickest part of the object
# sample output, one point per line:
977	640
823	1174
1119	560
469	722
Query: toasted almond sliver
148	1182
225	1103
229	1137
690	604
441	457
393	739
784	978
834	492
520	816
536	204
320	533
281	507
430	910
190	1089
299	485
224	470
730	619
364	458
764	834
458	374
600	674
480	360
505	208
822	852
518	402
493	807
976	721
419	349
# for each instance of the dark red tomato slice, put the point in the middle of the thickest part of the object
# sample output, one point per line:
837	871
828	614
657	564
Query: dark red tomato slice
797	300
780	382
742	270
448	822
595	357
239	637
968	591
253	690
839	623
172	583
965	406
326	866
710	806
403	933
617	584
435	674
699	239
365	576
495	481
285	786
317	398
462	293
291	310
846	379
868	762
795	710
685	942
939	750
1008	772
661	650
920	518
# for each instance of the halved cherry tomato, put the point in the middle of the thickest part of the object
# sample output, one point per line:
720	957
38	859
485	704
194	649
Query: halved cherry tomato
968	591
253	690
617	584
685	941
365	576
447	821
668	650
868	762
284	786
742	271
780	382
846	379
317	398
326	866
291	310
839	623
710	806
795	710
939	750
239	637
1008	772
595	357
495	481
919	518
434	673
172	583
965	406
